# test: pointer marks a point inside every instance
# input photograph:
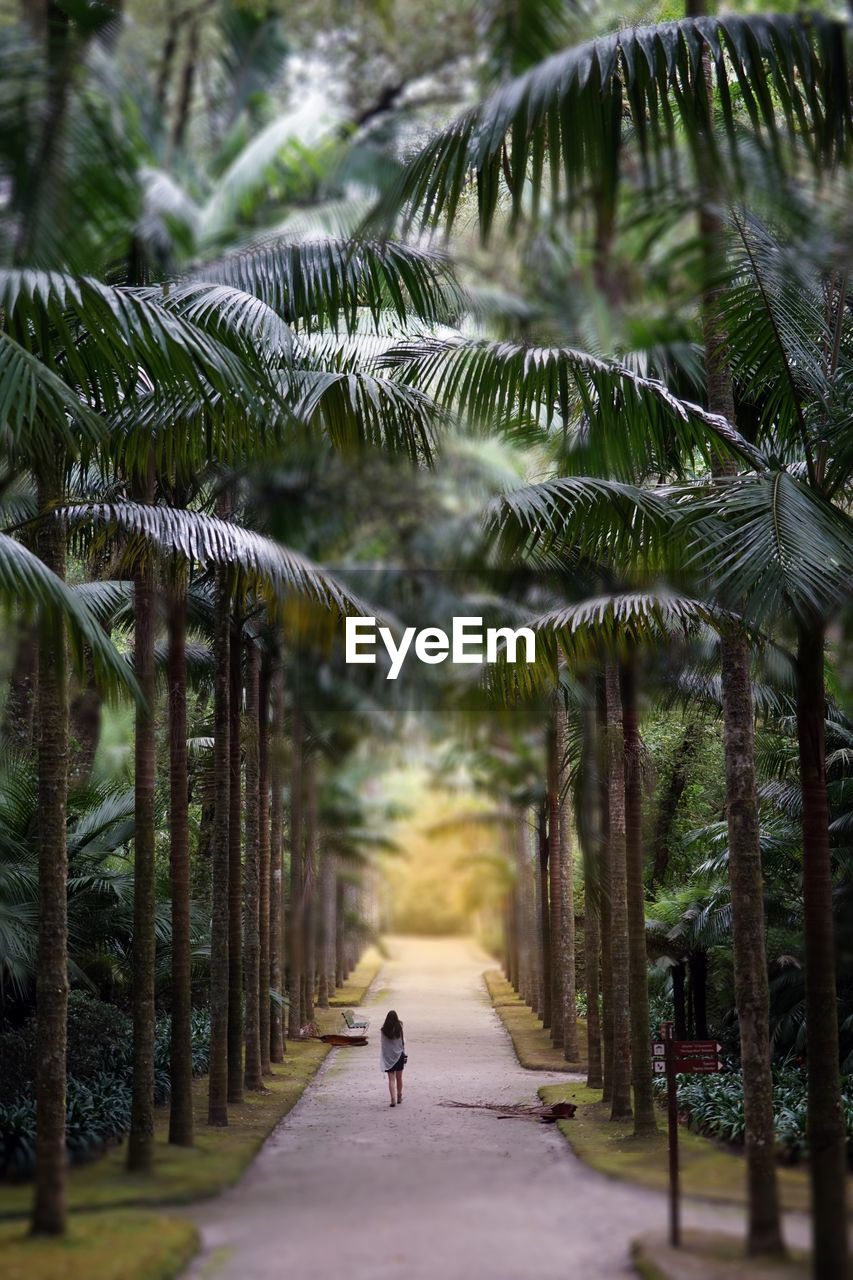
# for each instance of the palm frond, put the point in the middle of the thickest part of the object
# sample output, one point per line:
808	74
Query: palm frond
569	117
24	579
772	542
627	422
325	283
278	572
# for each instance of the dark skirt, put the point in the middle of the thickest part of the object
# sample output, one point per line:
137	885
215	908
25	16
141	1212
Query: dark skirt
399	1064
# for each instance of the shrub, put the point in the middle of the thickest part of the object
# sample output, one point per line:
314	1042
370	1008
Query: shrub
713	1105
99	1082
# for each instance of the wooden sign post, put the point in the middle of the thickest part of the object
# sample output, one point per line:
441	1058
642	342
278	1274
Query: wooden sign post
671	1057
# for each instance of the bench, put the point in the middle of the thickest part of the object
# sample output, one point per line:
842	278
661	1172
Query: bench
354	1023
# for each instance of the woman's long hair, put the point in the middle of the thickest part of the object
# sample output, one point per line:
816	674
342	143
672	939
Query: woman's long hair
392	1027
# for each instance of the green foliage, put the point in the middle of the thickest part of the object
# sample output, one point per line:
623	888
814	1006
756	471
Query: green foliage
100	1068
713	1105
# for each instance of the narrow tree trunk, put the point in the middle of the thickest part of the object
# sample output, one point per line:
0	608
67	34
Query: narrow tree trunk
590	837
619	950
140	1147
571	1050
510	940
296	916
264	864
555	748
309	887
638	964
180	1054
252	944
340	934
327	928
49	1208
605	903
522	899
544	920
235	873
277	1042
825	1125
217	1097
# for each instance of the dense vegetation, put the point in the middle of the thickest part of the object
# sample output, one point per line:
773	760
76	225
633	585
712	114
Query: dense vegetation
546	321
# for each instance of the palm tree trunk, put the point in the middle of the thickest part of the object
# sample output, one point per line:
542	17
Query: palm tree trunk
309	885
296	916
590	837
619	946
571	1050
826	1127
217	1097
277	1041
49	1208
328	880
180	1056
140	1147
252	941
340	934
641	1072
555	749
524	924
604	895
235	872
544	920
264	863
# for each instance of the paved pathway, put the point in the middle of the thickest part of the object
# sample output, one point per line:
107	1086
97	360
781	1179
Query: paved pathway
348	1186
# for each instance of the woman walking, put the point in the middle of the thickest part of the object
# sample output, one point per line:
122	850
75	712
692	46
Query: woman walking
392	1054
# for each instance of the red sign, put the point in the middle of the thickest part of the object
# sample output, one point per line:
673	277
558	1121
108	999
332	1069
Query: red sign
697	1046
696	1057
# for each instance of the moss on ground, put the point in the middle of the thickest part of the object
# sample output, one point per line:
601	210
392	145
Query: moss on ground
707	1256
532	1043
113	1246
708	1171
358	983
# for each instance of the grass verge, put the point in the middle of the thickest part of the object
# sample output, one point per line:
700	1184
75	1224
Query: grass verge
532	1043
358	983
118	1243
219	1157
707	1256
118	1246
182	1174
708	1171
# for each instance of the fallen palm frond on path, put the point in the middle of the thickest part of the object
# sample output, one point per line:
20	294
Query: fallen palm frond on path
548	1114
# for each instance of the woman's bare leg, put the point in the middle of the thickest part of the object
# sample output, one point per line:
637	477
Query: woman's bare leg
391	1075
399	1076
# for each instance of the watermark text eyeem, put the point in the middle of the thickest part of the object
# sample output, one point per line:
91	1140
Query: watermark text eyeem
468	642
